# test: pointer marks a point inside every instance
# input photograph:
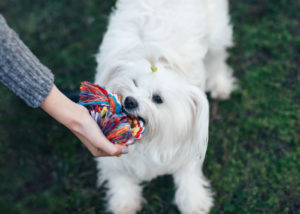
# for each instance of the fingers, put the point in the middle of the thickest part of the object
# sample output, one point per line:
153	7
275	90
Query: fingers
112	149
89	133
106	147
115	150
96	152
98	140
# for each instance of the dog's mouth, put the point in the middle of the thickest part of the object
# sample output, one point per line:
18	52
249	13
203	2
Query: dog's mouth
131	114
142	119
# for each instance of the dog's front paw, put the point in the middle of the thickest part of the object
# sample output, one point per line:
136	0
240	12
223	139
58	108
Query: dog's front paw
125	195
193	195
126	207
197	205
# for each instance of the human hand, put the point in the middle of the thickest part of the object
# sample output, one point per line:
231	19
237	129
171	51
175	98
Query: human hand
78	120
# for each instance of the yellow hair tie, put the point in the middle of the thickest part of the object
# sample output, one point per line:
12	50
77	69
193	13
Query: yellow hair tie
153	68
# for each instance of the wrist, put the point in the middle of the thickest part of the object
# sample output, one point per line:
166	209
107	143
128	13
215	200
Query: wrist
64	110
78	117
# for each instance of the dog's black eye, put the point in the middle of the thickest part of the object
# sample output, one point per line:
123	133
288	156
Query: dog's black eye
135	83
157	99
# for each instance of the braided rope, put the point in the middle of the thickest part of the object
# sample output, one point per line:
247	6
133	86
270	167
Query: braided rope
106	110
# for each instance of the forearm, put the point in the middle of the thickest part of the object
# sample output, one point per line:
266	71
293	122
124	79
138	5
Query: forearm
22	73
62	109
20	70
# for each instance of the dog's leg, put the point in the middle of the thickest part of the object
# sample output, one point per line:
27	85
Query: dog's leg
220	81
193	195
124	194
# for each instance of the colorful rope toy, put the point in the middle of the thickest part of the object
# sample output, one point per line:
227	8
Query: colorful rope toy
106	109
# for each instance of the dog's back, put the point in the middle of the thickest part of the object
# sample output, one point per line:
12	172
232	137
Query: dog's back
183	29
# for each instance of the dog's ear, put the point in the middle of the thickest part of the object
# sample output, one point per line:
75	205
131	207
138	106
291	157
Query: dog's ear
200	110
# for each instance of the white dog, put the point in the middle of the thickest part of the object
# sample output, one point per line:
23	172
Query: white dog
161	56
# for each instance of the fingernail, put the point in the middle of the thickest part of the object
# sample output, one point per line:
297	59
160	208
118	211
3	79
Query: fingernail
125	150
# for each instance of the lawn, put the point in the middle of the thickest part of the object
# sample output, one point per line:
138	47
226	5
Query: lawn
253	154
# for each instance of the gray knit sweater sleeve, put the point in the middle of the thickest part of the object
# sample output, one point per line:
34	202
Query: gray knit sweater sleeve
20	70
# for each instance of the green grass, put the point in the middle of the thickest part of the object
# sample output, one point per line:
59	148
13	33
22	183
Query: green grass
253	154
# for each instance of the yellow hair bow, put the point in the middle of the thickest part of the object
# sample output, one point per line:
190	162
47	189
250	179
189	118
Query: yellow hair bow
154	69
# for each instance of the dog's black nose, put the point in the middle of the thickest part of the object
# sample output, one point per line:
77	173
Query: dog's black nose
130	103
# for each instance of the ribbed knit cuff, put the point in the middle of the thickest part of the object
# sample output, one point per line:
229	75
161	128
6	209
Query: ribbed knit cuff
20	70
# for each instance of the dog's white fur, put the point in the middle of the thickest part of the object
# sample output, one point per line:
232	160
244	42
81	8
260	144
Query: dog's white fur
186	40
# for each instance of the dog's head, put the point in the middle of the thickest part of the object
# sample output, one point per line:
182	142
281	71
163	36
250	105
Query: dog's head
172	109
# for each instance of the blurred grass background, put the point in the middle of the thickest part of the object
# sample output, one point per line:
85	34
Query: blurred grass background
253	155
